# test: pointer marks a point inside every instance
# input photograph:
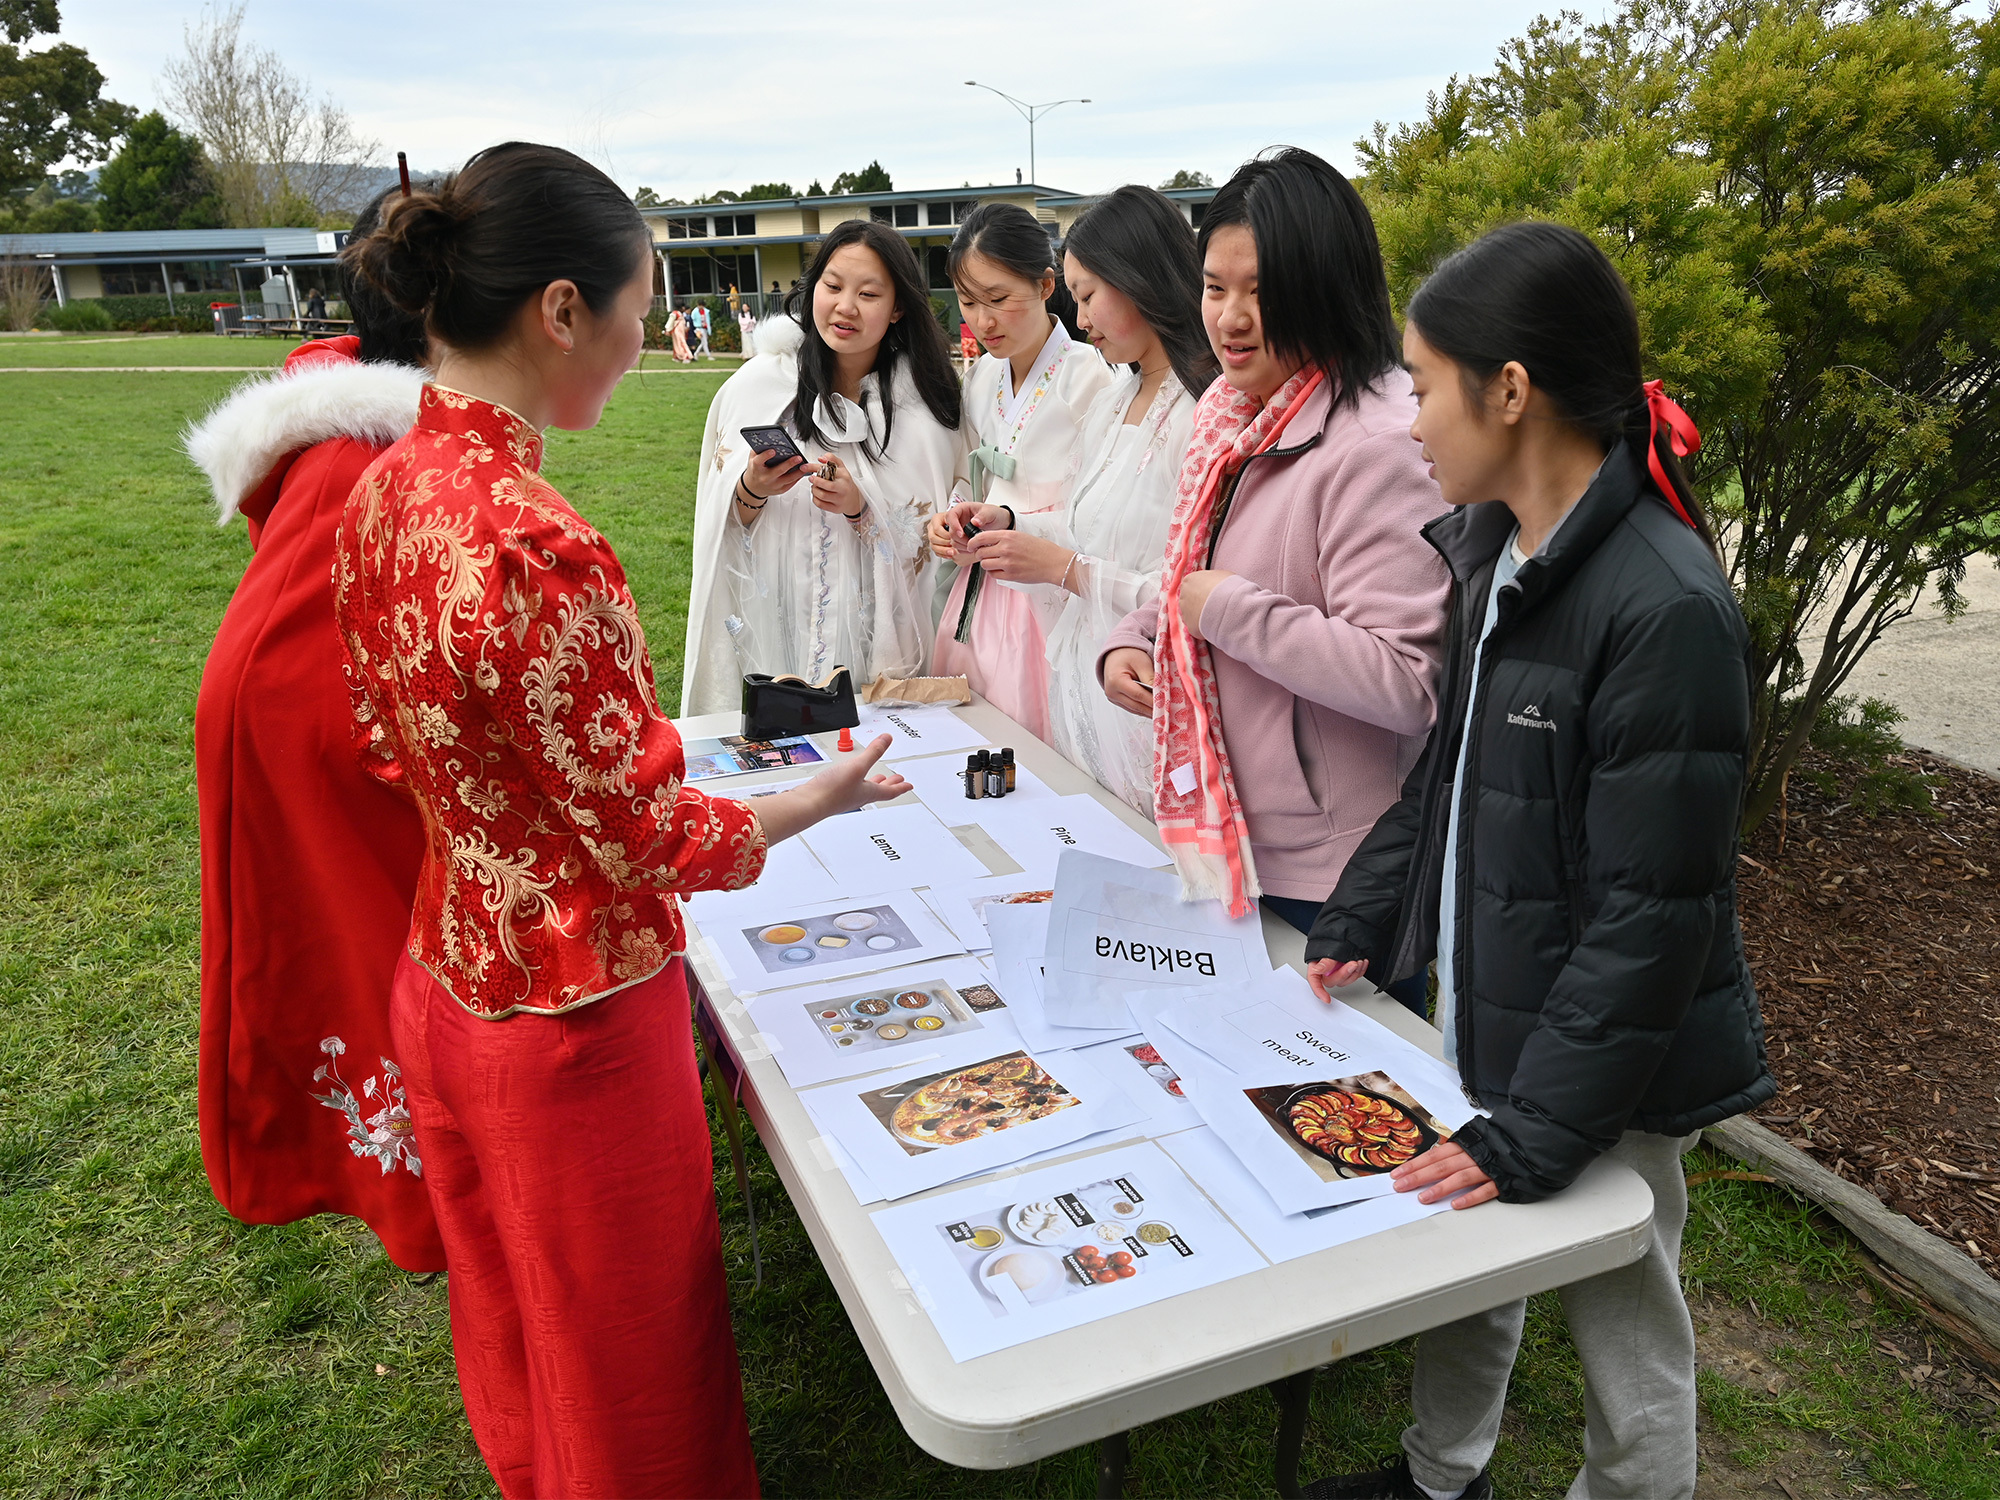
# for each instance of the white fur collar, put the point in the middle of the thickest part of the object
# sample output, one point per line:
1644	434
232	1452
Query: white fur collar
779	334
241	441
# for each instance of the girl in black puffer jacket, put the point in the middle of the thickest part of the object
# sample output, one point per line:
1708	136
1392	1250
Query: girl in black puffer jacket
1566	848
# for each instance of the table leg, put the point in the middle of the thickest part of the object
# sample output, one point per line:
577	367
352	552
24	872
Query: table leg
1294	1395
1111	1466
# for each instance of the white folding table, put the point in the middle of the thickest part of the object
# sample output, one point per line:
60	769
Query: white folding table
1273	1327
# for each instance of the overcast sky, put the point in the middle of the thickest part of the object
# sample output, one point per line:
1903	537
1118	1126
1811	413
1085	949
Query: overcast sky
685	98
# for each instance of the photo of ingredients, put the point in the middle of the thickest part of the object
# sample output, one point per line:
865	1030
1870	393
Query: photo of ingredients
948	1109
1028	1254
1147	1056
784	947
982	997
881	1019
1349	1127
1009	898
732	755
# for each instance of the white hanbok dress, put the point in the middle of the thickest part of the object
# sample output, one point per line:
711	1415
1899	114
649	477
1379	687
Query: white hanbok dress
1115	519
811	591
1038	426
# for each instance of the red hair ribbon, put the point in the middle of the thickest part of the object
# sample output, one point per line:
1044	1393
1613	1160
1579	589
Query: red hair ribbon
1682	435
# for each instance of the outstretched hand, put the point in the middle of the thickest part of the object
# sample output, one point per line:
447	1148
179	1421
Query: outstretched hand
842	787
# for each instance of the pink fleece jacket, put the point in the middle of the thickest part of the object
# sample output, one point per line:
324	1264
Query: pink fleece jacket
1327	641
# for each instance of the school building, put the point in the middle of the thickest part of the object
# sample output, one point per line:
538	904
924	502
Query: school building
765	245
280	267
702	250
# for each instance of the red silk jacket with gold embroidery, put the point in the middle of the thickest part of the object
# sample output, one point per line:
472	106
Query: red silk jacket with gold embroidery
499	671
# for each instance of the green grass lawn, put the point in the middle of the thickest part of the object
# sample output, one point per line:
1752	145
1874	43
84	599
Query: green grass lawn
151	1346
69	351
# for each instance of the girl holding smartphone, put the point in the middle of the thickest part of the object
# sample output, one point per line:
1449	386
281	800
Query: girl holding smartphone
812	559
1024	404
1567	845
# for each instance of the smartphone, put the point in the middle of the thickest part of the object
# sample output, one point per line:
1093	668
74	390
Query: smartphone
772	440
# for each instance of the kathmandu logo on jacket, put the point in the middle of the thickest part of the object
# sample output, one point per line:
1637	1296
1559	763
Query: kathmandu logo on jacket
1531	718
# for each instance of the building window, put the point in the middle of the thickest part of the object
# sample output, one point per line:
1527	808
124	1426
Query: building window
707	275
881	213
906	215
735	224
937	213
962	207
194	276
687	229
1195	212
936	258
133	281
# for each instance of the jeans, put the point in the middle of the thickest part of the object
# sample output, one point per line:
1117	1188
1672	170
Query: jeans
1412	993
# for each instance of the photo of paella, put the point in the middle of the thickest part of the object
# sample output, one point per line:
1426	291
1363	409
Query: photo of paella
1350	1127
966	1104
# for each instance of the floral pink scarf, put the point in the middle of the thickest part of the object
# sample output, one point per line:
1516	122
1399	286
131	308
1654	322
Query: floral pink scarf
1194	794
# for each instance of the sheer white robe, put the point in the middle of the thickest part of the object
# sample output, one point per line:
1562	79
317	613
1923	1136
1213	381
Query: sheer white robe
813	590
1039	427
1115	518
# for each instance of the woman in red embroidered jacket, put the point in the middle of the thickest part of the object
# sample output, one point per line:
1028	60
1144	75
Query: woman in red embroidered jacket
541	1014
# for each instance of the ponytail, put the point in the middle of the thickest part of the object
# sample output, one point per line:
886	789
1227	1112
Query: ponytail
513	219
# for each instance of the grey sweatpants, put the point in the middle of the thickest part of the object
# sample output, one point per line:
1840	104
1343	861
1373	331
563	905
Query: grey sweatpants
1631	1327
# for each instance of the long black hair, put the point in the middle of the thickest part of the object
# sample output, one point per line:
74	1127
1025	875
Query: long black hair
388	334
1015	240
495	232
915	338
1137	243
1320	285
1545	296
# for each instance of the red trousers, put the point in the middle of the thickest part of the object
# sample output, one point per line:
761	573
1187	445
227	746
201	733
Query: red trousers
568	1161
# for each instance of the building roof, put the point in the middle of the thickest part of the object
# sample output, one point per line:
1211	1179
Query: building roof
845	200
163	244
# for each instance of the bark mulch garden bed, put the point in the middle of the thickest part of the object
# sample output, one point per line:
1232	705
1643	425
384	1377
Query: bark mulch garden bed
1875	942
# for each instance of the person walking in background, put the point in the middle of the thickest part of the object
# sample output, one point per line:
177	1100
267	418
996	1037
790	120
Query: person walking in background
1023	402
308	864
677	332
541	1011
699	315
799	569
1289	663
315	307
746	324
1567	846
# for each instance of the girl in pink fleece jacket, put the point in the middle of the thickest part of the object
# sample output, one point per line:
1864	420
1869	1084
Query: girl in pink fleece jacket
1308	613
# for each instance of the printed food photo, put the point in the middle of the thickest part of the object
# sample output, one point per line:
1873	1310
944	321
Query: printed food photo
1349	1127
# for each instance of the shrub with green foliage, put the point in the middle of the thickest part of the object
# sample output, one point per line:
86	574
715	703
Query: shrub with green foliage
1805	198
1860	738
158	180
82	316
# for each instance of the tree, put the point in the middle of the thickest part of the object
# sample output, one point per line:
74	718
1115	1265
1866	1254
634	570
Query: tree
1803	195
815	191
64	203
870	179
1186	179
158	180
52	104
762	190
647	198
276	155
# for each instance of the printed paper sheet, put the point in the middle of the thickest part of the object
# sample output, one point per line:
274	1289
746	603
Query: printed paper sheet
782	942
874	1022
1002	1263
904	845
1116	930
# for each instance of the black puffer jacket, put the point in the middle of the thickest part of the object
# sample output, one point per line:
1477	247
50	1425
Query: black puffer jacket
1600	973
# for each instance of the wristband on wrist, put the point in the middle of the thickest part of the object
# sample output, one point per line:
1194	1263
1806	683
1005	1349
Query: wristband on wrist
744	495
1010	516
1066	570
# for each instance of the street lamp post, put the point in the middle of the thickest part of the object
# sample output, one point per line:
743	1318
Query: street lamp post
1028	112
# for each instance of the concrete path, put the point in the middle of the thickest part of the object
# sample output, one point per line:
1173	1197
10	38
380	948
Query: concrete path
1944	674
